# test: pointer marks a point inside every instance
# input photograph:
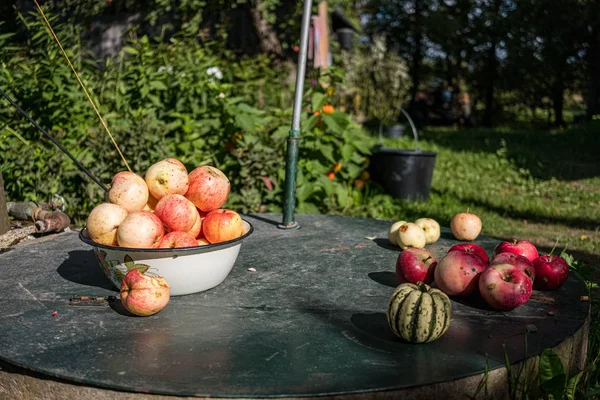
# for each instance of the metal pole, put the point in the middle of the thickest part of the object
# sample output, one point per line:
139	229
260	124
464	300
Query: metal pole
293	142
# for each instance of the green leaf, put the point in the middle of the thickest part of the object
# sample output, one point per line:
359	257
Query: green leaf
129	263
303	192
572	385
130	50
327	152
141	267
552	374
308	208
347	151
158	85
343	197
317	101
245	121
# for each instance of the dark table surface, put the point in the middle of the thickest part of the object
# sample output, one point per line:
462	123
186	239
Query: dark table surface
310	320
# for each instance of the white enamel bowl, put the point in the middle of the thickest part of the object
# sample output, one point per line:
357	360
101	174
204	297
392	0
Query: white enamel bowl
187	269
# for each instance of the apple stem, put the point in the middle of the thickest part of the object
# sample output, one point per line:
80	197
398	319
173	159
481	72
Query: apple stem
428	258
467	210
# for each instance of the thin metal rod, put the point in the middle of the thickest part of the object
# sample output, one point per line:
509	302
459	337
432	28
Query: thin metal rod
293	142
81	167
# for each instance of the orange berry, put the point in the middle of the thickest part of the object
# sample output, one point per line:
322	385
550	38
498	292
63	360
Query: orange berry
330	175
337	167
359	184
328	109
316	113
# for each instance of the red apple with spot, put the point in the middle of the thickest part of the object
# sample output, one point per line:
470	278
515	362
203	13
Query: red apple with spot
168	176
141	230
222	225
550	272
128	190
174	240
518	261
415	265
103	222
520	247
457	273
176	212
471	248
411	235
208	188
465	226
144	295
505	287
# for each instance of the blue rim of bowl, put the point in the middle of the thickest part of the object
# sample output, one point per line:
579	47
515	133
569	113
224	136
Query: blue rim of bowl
83	237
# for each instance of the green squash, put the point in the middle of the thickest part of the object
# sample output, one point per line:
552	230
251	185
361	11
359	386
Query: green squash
419	313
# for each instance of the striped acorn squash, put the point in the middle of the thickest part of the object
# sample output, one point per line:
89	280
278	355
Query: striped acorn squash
418	313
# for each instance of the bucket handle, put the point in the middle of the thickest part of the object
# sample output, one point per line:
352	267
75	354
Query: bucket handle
412	126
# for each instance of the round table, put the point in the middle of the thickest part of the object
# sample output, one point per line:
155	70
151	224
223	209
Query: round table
309	322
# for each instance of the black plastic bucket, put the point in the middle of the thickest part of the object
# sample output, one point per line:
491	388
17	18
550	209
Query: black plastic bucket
403	174
394	131
345	37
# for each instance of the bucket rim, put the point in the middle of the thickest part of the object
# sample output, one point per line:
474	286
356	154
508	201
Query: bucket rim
406	152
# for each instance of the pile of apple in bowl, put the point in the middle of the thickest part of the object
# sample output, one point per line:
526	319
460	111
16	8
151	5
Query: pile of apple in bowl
165	232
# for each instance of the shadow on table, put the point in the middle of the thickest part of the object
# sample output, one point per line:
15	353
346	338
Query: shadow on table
384	243
387	278
82	267
263	219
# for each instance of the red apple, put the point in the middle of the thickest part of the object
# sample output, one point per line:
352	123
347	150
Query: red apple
465	226
151	205
140	229
197	228
471	248
168	176
520	247
128	190
550	272
176	212
103	221
202	241
518	261
505	287
414	265
177	239
222	225
457	273
143	294
208	188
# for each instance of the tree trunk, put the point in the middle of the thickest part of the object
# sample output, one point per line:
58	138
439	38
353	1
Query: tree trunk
593	61
417	56
269	42
558	94
490	79
3	212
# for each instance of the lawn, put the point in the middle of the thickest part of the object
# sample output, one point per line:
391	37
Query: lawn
543	186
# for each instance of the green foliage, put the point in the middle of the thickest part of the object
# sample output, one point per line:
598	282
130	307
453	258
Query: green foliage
177	99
